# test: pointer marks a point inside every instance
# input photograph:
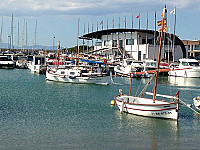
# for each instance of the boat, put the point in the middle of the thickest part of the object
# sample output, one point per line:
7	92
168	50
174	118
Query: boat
196	101
150	107
188	68
6	62
128	66
79	73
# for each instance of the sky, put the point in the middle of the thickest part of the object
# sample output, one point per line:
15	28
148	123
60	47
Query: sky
58	20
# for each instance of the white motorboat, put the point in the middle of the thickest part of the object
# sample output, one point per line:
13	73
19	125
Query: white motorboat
196	101
129	66
187	68
77	75
6	62
139	105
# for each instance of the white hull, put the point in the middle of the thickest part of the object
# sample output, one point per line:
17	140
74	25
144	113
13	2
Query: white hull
146	107
197	102
189	73
78	79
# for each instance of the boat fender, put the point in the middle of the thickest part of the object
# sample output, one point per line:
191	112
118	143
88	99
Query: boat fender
72	77
112	102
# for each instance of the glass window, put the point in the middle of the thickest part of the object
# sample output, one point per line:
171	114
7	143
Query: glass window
107	43
129	41
114	44
197	47
193	63
185	63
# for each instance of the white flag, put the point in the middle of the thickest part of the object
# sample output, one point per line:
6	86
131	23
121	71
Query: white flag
173	11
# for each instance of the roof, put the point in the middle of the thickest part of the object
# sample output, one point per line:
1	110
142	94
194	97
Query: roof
98	35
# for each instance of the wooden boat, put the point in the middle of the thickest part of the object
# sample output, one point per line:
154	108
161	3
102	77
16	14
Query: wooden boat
139	105
196	101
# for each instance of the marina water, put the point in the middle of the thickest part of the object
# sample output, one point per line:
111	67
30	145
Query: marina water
38	114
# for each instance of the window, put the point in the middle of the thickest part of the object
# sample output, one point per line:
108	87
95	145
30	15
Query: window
197	47
185	63
107	43
72	73
114	44
129	41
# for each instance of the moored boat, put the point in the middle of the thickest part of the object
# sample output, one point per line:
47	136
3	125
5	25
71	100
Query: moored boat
6	62
148	107
196	101
187	68
78	74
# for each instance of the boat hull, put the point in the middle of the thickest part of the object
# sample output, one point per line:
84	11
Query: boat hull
189	73
196	101
146	107
74	79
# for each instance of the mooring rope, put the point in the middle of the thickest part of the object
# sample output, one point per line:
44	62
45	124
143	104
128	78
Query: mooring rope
189	107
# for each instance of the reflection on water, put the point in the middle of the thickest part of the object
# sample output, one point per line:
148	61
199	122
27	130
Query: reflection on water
153	131
180	81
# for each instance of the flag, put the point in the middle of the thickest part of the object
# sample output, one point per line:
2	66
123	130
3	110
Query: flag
160	22
173	11
101	22
164	29
138	16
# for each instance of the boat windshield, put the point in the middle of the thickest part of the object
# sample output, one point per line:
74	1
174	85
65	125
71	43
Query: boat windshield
193	63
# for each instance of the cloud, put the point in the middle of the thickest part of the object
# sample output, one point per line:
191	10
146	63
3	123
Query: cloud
88	7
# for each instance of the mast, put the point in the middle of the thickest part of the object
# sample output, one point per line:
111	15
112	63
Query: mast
12	33
77	41
159	54
58	55
174	34
1	40
35	33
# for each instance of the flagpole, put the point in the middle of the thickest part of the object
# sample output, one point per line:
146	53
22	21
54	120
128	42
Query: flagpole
146	33
174	34
131	38
154	38
125	22
139	21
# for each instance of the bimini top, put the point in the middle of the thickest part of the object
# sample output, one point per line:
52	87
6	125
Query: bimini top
98	35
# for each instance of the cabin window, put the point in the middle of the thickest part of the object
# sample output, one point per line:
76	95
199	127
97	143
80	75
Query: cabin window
129	41
194	63
185	64
72	73
62	72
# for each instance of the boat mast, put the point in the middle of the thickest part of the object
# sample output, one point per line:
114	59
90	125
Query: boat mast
58	55
159	54
78	43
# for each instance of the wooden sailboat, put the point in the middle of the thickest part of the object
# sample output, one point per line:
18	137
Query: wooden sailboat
139	105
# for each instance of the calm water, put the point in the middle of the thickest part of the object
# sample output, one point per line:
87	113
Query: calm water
36	114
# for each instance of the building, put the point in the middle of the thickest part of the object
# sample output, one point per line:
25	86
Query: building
193	48
134	43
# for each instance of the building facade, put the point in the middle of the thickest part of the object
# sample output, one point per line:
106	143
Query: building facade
135	43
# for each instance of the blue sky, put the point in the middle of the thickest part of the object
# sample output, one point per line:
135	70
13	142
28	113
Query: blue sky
60	18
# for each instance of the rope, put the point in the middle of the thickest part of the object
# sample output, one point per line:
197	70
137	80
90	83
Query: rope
144	89
189	107
139	85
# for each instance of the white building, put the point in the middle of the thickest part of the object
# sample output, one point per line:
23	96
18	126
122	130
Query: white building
134	43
